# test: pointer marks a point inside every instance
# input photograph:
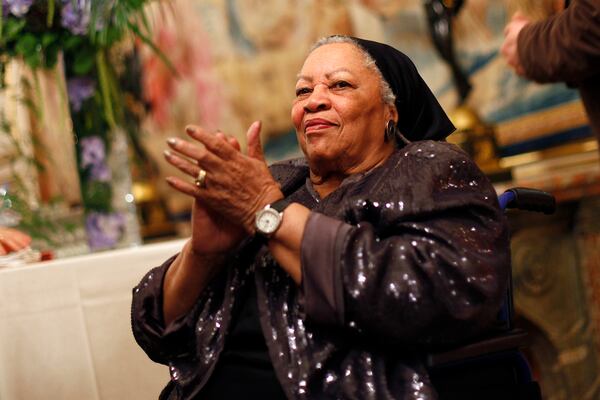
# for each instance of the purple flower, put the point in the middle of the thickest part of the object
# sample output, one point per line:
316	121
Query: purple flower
93	152
75	15
80	89
18	8
104	229
93	156
100	172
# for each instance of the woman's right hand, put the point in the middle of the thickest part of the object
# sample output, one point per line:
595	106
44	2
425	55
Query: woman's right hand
211	233
202	256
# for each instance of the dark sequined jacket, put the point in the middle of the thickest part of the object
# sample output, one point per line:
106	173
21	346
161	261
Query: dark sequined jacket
410	255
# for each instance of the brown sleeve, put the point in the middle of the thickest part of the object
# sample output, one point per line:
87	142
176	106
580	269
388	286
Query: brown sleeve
321	276
564	47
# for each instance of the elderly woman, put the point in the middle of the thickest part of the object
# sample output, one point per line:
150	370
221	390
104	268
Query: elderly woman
327	276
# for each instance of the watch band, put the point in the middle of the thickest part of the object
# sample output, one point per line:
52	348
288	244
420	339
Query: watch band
279	205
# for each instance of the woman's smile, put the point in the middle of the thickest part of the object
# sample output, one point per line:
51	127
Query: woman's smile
315	125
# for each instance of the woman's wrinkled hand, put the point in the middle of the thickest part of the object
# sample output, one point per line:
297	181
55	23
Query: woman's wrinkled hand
12	240
211	232
236	185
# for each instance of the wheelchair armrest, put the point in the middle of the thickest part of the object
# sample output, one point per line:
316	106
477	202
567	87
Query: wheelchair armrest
512	339
528	199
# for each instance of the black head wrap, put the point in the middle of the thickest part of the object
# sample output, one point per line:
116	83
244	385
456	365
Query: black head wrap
420	115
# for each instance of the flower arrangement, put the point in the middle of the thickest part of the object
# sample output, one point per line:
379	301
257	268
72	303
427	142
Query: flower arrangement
84	33
38	30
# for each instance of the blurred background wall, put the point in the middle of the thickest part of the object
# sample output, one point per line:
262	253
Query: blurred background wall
235	61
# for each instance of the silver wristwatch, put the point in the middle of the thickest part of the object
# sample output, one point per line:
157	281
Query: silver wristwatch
269	219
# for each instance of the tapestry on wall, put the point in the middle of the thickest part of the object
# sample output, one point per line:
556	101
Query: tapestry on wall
237	61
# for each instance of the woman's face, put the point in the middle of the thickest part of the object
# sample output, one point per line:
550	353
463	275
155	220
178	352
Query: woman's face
338	113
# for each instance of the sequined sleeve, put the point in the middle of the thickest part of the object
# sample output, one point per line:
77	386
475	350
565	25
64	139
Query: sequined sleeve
421	262
321	279
160	343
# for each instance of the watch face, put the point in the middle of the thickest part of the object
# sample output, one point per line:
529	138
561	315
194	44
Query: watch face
268	221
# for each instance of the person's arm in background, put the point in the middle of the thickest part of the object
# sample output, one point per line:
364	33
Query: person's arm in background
12	240
564	47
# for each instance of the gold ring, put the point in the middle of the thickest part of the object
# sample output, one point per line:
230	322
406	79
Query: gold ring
201	179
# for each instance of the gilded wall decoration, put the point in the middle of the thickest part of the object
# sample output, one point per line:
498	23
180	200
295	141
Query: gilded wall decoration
555	294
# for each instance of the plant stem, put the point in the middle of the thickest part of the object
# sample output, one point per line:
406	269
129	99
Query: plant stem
105	88
50	17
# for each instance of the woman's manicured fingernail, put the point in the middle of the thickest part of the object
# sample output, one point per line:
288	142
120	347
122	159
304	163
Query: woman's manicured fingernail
190	129
172	141
167	153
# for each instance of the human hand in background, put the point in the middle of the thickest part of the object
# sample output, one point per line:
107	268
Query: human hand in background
12	240
509	48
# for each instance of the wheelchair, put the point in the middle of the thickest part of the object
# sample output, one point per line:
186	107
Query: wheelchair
493	367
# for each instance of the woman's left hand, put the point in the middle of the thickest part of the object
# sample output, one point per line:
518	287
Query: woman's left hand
237	185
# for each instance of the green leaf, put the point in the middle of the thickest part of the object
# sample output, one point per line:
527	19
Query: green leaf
26	45
51	55
83	58
33	60
48	38
97	196
72	41
145	22
154	48
83	65
13	27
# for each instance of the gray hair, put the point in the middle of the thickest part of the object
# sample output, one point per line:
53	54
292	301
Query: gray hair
387	95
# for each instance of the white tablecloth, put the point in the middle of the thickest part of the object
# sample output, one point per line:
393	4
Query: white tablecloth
65	328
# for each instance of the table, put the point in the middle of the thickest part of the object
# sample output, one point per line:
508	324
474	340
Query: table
65	330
